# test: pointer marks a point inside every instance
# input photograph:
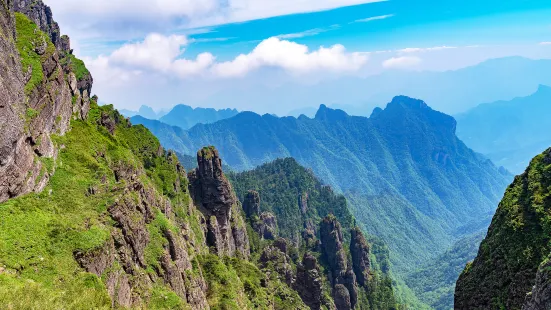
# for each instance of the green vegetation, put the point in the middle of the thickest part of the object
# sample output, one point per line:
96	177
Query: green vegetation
281	185
31	114
39	233
434	283
406	156
518	241
29	39
237	284
75	65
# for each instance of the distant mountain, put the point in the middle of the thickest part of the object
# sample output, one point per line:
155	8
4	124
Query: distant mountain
408	178
509	132
186	117
512	269
452	92
144	111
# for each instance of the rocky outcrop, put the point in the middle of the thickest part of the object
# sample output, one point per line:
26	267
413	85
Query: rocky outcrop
42	16
214	196
32	109
360	252
132	212
540	297
343	279
264	223
276	259
266	226
309	283
251	204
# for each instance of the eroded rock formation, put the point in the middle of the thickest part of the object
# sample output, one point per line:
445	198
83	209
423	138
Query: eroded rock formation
214	196
343	279
309	283
360	251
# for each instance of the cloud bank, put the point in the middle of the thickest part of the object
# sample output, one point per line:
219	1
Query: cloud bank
164	55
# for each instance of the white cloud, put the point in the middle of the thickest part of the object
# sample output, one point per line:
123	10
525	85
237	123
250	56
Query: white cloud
545	43
401	62
130	18
425	49
164	55
292	57
155	52
369	19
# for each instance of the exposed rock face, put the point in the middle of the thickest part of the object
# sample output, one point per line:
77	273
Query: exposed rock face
251	204
267	226
360	251
132	212
213	194
279	261
15	157
28	117
308	282
540	297
345	290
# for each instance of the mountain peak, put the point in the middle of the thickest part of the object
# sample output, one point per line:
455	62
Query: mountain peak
543	88
409	102
328	114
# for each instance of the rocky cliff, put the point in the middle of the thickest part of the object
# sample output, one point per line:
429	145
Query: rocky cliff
213	194
343	279
40	93
510	271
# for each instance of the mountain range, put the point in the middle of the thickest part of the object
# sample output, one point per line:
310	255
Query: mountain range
511	132
183	116
451	92
144	111
405	156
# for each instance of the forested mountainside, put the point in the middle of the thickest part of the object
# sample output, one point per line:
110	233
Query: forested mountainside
511	270
186	117
94	213
405	156
511	132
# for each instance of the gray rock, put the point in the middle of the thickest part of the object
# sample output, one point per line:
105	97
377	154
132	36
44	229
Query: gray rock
361	261
214	197
341	274
309	283
29	118
540	297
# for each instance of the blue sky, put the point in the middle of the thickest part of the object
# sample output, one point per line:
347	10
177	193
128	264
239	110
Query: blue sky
406	23
185	51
